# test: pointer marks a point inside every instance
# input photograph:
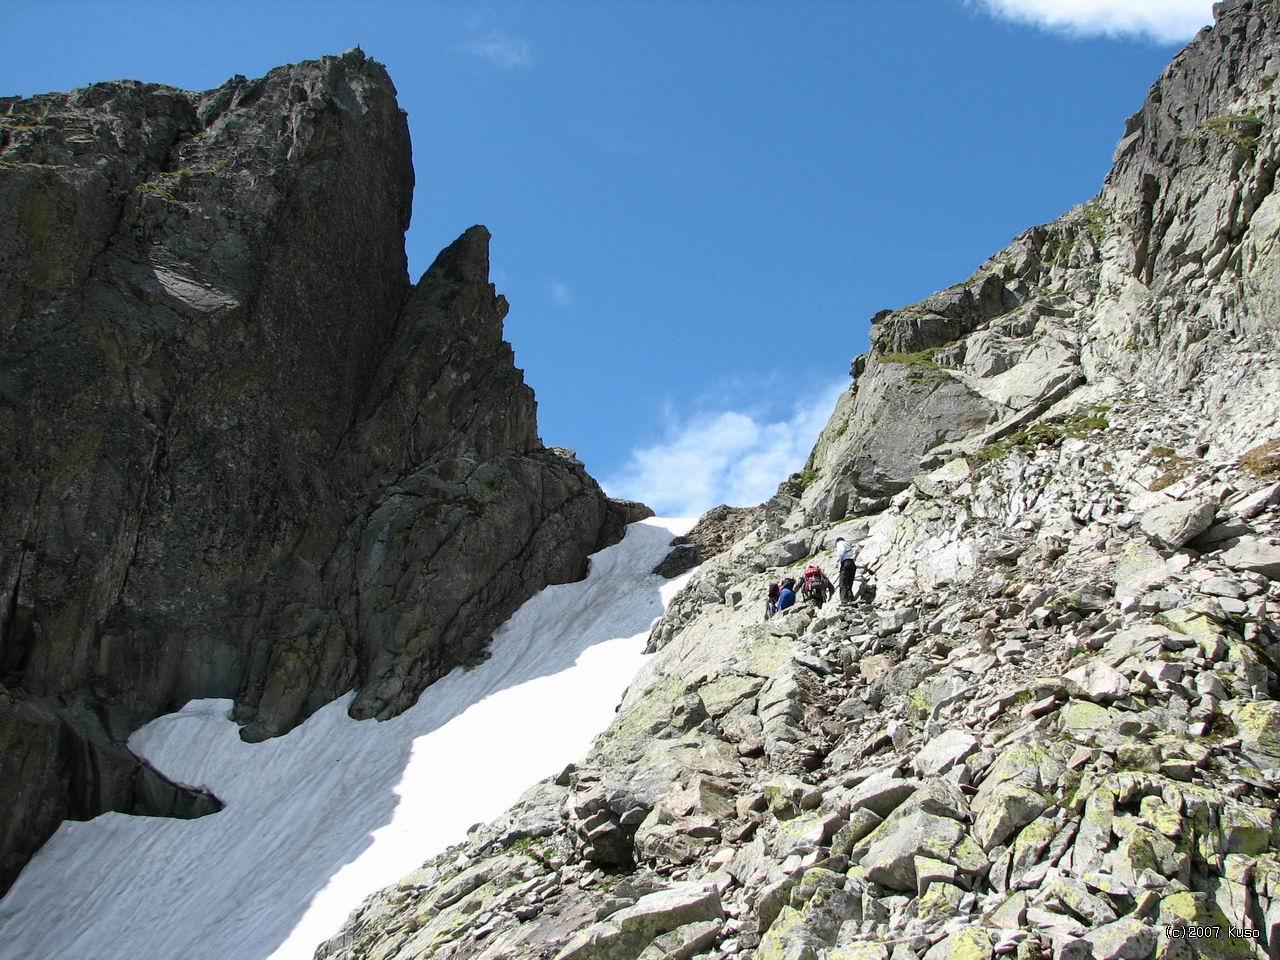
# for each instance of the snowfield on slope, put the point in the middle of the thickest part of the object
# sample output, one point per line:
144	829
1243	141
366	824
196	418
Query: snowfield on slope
322	817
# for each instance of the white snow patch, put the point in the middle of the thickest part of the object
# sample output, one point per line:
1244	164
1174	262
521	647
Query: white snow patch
322	817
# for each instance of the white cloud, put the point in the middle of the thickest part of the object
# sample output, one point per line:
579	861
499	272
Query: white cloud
1166	21
561	295
503	51
736	457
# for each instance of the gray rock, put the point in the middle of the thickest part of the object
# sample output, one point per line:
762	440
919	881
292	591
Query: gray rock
785	551
1096	681
683	942
1221	587
1220	532
1255	555
625	934
882	794
894	846
943	752
891	621
1255	503
1124	939
1178	522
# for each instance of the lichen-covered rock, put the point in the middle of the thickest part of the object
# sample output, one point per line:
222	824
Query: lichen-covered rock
625	934
971	944
1125	939
1258	725
943	752
1007	810
893	847
1213	940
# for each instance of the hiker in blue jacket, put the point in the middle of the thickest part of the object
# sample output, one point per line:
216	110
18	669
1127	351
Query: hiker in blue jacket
787	595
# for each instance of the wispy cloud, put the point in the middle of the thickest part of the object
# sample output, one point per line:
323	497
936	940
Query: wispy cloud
1165	21
715	456
502	51
561	295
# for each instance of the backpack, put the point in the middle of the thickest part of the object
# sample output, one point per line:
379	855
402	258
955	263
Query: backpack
812	575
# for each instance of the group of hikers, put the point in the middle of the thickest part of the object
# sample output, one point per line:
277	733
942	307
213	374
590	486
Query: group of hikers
813	586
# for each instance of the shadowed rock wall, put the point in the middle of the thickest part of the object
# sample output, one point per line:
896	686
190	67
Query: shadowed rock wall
243	456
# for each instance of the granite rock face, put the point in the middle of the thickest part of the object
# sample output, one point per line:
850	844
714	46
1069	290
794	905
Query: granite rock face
243	456
1167	277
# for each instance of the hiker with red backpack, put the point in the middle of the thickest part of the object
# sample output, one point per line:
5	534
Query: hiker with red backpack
816	588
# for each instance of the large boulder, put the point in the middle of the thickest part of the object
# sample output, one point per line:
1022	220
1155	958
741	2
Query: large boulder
1178	522
625	934
893	848
1255	555
943	752
1096	681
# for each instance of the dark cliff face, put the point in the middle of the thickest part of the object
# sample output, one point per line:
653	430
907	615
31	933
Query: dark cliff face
243	457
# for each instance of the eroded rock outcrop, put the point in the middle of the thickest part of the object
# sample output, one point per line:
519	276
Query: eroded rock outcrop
1167	276
243	456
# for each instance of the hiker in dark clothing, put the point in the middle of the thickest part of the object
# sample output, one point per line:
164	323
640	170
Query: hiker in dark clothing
771	601
847	569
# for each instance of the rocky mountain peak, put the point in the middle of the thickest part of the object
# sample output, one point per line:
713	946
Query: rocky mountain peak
1161	278
466	260
244	457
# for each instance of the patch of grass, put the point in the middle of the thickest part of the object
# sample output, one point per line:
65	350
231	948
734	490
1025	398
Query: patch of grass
1173	467
531	849
164	184
1050	433
1054	249
1097	217
920	358
1242	129
155	190
798	483
1020	700
1268	81
920	364
1263	461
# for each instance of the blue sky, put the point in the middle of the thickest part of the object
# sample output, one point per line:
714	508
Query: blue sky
697	205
